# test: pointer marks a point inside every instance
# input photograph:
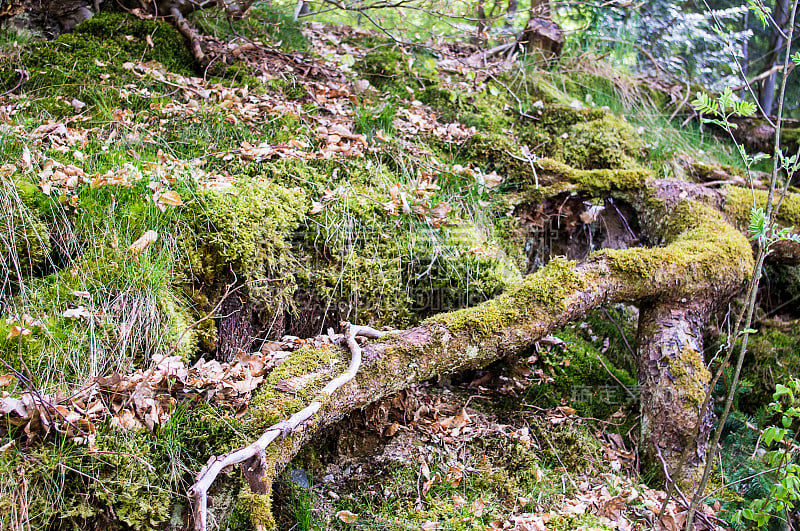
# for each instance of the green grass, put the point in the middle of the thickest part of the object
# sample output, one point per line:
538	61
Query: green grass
374	118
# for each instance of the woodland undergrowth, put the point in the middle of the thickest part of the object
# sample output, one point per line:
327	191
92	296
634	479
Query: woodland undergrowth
153	214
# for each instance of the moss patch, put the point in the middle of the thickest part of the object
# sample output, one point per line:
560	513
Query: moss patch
690	375
229	229
489	110
544	292
75	64
496	152
608	142
271	405
740	201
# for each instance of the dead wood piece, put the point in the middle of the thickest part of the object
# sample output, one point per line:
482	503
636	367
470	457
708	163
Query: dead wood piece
542	35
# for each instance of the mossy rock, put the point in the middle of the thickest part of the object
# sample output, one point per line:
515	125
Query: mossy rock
362	265
605	143
544	132
248	229
555	120
489	110
739	203
496	152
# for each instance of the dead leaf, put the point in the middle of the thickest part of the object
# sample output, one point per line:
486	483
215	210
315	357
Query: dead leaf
143	242
292	385
347	517
316	208
171	198
477	507
17	331
6	379
391	430
612	507
77	313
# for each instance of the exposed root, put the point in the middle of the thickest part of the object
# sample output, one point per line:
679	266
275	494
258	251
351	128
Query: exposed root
206	477
190	33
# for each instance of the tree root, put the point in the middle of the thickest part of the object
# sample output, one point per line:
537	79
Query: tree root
215	466
191	35
704	261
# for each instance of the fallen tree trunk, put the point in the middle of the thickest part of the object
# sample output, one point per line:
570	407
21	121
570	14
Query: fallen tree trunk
705	261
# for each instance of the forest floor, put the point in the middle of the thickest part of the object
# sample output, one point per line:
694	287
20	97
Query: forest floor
324	175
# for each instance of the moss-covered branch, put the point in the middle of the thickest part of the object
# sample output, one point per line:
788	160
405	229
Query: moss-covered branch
705	259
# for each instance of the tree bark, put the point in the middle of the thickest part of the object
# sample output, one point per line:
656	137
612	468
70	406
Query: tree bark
673	383
541	34
511	13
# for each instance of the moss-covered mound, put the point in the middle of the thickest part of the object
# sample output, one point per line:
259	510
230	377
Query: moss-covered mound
89	64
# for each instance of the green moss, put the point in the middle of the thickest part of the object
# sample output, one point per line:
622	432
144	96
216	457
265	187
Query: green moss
392	70
607	142
66	483
128	481
690	375
247	228
446	101
553	121
26	237
291	87
488	110
772	359
740	201
586	522
74	64
582	138
555	178
52	108
703	249
496	152
790	136
544	293
581	379
363	264
253	511
270	405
